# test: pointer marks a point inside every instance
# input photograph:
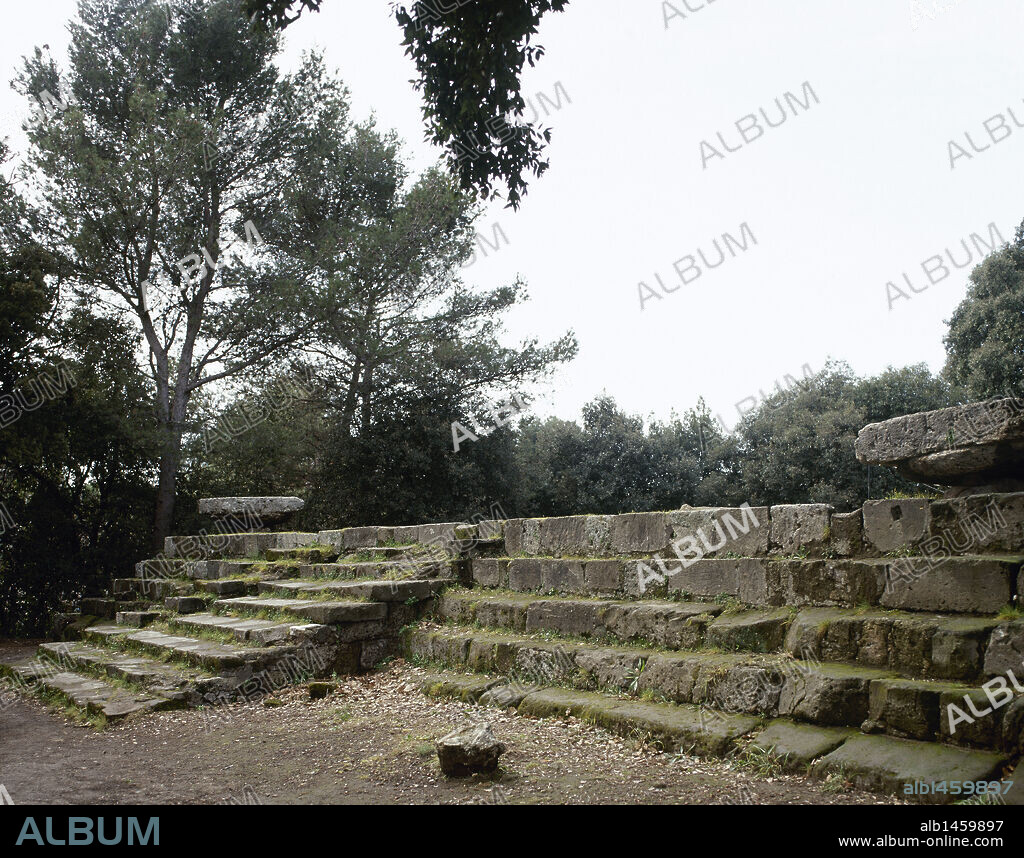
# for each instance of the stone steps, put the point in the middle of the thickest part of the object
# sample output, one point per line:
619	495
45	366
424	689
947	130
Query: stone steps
239	545
89	693
255	631
926	645
370	590
769	685
325	613
153	589
194	651
963	585
107	609
180	686
879	763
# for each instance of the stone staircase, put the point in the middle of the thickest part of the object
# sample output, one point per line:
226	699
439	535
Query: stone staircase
230	617
883	647
855	645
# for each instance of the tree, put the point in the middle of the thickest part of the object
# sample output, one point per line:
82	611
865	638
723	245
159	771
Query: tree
985	341
470	57
181	130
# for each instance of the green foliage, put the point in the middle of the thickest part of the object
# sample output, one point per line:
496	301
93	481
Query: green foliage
985	342
470	59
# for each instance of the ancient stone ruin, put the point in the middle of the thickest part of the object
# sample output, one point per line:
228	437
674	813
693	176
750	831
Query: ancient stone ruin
882	645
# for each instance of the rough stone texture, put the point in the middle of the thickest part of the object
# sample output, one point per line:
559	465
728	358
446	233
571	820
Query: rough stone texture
1013	728
983	732
639	533
689	728
892	525
752	631
825	582
907	708
575	535
977	524
800	744
744	579
723	530
1005	652
603	576
525	574
960	446
469	750
406	535
185	604
961	585
268	510
886	764
846	534
828	694
490	571
800	528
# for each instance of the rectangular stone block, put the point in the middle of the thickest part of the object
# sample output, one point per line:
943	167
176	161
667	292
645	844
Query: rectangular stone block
567	618
491	529
514	536
966	586
846	534
436	534
800	528
639	533
525	574
976	524
828	582
574	535
406	535
1005	651
602	576
490	571
745	579
722	530
894	525
562	576
366	537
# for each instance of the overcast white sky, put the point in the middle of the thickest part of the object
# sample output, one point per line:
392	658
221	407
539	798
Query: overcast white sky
849	194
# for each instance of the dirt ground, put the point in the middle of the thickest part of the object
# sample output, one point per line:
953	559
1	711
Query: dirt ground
370	742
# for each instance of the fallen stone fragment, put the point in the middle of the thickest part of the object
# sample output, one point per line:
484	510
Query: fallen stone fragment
468	750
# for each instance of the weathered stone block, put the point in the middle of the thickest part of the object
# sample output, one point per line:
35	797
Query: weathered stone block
960	585
977	524
564	617
562	576
525	574
1005	652
740	531
514	536
406	535
892	525
846	534
799	744
980	732
602	576
904	707
744	579
436	534
639	532
827	582
831	695
750	631
491	529
490	571
800	528
469	750
960	446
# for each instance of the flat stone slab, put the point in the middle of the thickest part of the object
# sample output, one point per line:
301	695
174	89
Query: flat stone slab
325	613
267	509
465	687
800	744
686	727
885	764
967	445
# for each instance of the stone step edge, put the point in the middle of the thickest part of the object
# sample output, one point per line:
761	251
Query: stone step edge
644	656
250	607
248	652
717	610
194	674
49	691
817	752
